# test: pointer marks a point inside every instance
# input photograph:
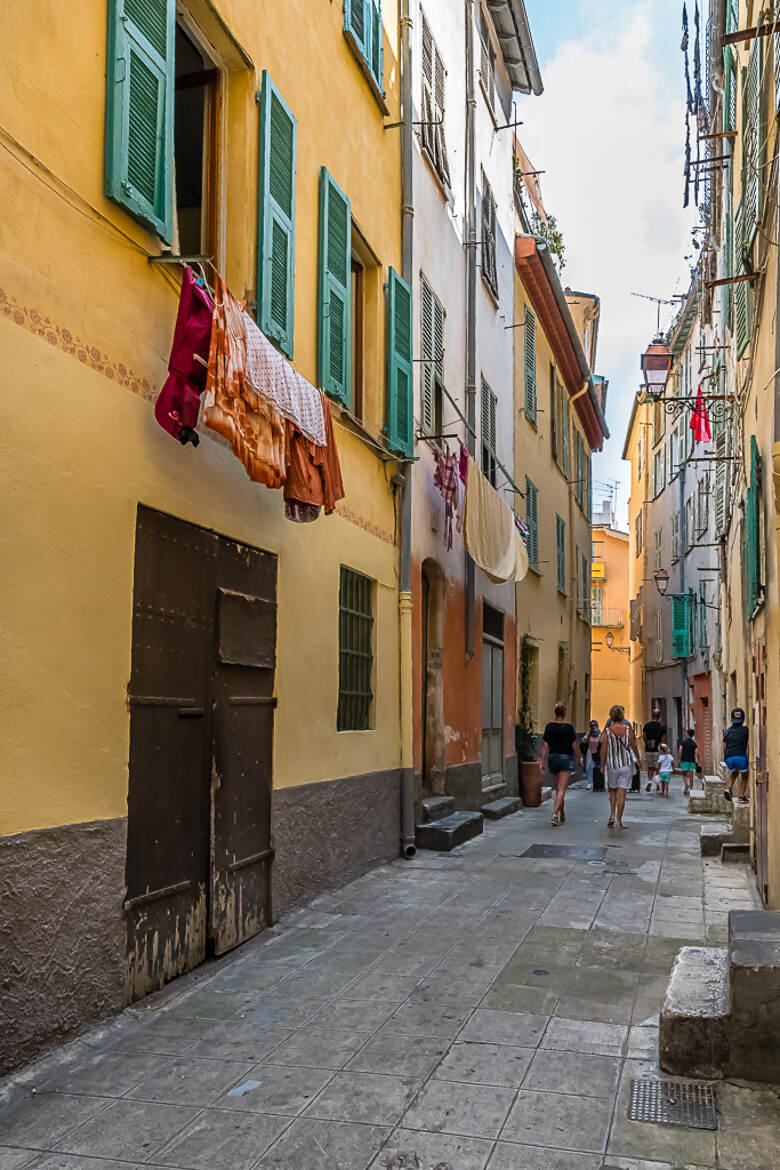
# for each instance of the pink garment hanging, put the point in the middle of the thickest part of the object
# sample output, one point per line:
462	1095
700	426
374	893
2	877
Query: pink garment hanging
446	478
178	403
700	420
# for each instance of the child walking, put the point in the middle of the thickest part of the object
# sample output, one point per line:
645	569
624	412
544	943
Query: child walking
665	765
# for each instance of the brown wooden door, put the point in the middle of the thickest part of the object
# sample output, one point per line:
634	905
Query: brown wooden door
201	734
241	773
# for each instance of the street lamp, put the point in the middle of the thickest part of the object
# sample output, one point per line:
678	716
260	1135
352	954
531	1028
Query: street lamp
656	362
661	578
610	639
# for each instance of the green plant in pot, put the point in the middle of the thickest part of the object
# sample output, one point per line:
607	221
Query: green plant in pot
529	774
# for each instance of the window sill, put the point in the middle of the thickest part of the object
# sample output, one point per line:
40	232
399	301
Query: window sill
357	53
531	421
537	572
492	294
441	186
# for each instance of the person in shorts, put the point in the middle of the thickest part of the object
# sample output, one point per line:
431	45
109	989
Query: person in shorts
618	759
665	765
735	753
688	758
653	732
559	747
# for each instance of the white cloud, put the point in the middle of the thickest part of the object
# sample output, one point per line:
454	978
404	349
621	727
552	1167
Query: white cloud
609	131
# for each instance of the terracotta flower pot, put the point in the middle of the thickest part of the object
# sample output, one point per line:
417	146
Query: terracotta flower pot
530	783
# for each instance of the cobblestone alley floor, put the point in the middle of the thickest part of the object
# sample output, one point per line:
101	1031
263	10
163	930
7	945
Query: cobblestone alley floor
462	1011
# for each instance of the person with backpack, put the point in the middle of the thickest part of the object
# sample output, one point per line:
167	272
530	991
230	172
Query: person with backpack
618	758
688	758
735	751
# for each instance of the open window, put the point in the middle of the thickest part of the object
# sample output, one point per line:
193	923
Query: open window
195	148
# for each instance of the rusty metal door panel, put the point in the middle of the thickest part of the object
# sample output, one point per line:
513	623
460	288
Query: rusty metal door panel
242	689
170	732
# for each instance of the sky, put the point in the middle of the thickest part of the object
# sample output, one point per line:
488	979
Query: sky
609	133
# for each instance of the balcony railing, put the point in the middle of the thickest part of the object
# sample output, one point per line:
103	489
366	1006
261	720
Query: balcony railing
606	617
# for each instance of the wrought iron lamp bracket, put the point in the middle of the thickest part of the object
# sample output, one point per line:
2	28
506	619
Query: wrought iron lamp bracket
720	407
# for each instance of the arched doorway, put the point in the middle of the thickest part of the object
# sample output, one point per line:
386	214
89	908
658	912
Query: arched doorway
432	680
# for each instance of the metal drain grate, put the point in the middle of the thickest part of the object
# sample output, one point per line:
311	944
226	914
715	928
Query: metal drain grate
687	1103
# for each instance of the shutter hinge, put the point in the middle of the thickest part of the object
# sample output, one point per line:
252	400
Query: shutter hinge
258	96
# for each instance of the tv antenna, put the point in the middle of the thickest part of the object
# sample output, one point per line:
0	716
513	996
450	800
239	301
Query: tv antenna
658	301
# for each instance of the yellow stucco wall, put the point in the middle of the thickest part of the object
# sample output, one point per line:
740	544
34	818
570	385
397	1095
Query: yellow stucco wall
86	327
544	614
610	665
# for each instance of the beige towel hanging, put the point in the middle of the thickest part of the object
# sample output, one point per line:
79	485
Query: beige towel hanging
492	538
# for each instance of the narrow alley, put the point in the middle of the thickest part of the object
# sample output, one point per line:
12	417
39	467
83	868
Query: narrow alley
486	1008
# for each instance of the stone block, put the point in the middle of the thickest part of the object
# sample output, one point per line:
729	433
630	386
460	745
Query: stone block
735	853
693	1037
546	794
449	832
436	807
711	838
496	809
740	823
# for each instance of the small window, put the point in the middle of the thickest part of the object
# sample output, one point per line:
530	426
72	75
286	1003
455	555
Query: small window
597	605
489	271
489	402
638	533
532	522
195	161
356	655
560	549
432	353
433	78
675	536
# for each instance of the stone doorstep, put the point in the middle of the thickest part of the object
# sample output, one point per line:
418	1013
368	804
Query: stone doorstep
496	809
436	807
735	853
694	1019
736	832
449	832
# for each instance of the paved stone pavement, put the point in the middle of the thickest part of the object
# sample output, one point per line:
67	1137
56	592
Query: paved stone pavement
462	1011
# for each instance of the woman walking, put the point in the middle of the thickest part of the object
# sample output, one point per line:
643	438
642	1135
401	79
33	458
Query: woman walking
618	748
559	747
590	746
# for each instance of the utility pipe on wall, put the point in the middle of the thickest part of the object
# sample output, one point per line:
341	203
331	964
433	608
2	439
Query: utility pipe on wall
408	847
471	302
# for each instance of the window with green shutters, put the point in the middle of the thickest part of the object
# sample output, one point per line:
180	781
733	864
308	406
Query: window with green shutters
363	30
752	146
585	575
681	625
532	522
139	110
333	351
356	655
276	237
554	443
431	365
560	552
529	347
489	464
565	429
581	471
399	365
754	575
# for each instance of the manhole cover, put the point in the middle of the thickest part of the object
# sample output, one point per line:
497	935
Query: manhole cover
687	1103
564	852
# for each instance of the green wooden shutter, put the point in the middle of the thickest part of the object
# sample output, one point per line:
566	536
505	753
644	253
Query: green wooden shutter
426	352
357	21
334	291
752	185
375	58
728	259
532	521
529	343
276	239
753	520
553	415
581	471
681	641
139	110
399	365
565	429
560	549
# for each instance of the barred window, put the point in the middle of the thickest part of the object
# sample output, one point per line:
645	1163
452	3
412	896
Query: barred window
356	655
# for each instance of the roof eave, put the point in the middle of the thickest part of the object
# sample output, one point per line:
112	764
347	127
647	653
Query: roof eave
517	46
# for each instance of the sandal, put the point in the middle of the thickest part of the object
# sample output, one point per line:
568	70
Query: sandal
556	820
610	823
727	795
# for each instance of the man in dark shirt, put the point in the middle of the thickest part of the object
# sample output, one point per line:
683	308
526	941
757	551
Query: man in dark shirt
688	757
735	754
653	733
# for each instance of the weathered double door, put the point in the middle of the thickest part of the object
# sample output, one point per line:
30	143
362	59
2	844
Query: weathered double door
201	738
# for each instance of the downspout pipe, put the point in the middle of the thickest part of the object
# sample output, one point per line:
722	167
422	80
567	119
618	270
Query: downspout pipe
471	304
408	846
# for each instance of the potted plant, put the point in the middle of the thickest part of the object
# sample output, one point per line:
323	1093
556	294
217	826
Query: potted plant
529	774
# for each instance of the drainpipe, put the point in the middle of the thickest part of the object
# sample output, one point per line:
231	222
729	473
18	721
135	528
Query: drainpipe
408	847
471	301
684	551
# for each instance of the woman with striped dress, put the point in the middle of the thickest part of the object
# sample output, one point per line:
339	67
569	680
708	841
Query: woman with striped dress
618	759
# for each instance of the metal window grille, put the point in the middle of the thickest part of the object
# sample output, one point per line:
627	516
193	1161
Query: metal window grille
356	655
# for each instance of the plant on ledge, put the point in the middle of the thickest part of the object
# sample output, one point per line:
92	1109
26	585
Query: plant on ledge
548	231
525	740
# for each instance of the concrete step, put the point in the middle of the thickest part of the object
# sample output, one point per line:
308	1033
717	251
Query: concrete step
712	838
754	982
711	800
735	853
546	794
449	832
497	809
436	807
693	1037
